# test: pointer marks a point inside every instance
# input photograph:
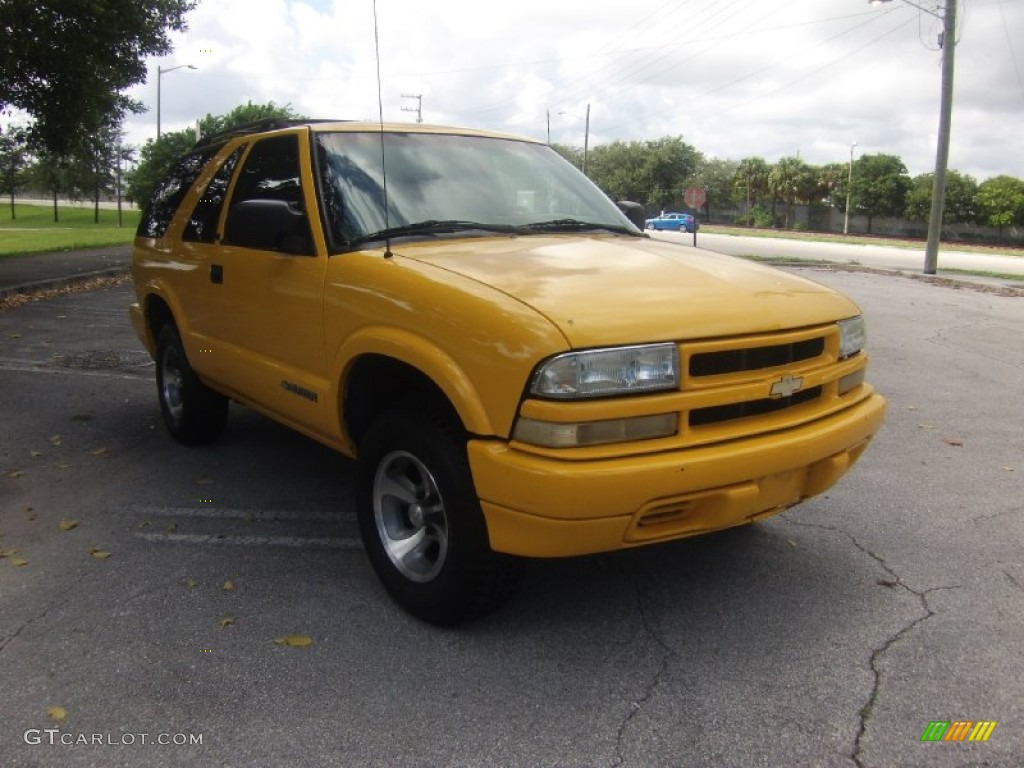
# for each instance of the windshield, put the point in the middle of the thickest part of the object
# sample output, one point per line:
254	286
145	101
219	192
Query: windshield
440	183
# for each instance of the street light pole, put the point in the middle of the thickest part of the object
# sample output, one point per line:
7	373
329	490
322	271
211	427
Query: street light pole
948	44
160	72
849	188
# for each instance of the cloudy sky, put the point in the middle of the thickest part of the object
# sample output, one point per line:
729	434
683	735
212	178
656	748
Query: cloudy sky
734	78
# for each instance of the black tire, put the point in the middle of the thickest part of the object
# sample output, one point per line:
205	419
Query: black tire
421	522
193	413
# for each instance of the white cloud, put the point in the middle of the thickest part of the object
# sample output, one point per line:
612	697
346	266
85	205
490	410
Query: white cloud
735	78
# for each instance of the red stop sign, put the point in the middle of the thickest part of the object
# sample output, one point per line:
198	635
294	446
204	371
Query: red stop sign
694	197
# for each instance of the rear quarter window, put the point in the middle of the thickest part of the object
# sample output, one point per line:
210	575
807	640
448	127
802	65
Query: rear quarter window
169	193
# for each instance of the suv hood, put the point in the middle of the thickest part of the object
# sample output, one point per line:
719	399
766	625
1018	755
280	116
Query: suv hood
604	290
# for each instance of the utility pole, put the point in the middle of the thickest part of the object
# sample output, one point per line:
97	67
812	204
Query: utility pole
931	253
586	140
947	41
418	109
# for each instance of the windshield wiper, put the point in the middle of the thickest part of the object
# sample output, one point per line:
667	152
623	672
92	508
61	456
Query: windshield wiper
433	227
572	225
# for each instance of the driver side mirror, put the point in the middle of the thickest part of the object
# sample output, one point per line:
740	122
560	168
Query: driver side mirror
268	225
634	212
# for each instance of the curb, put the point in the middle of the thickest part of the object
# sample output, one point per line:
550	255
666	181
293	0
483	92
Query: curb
982	285
63	282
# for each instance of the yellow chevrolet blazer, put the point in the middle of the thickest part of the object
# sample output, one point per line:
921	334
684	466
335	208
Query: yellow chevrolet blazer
518	370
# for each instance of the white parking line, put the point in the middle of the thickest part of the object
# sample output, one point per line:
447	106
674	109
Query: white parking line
29	366
223	513
299	542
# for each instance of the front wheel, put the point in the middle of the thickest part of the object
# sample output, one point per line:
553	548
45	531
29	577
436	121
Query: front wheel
421	521
193	413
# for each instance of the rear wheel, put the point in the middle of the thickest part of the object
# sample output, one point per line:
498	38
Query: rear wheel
193	413
421	521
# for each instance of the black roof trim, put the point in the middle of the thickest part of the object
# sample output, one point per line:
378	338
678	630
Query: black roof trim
259	126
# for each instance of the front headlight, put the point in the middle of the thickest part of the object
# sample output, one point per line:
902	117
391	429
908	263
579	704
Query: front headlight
604	372
852	336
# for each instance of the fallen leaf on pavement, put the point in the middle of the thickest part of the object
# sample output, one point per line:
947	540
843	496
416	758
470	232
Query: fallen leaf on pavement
295	641
101	452
55	440
98	553
17	562
57	713
953	441
8	552
229	586
67	525
227	621
16	474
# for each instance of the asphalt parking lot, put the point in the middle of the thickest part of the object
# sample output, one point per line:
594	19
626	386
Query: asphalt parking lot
148	591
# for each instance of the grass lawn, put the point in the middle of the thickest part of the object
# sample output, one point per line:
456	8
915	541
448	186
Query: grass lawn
34	230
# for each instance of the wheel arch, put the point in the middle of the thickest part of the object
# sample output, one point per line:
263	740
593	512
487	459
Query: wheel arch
159	308
391	366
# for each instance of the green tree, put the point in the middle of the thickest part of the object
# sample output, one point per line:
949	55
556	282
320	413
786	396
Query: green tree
831	182
67	63
1001	202
158	156
715	177
752	179
14	159
791	180
94	168
880	186
573	154
961	199
50	173
647	172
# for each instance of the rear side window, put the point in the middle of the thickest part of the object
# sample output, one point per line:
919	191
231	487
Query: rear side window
169	193
202	224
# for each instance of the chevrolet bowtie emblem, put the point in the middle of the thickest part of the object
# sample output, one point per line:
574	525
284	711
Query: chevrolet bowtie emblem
787	386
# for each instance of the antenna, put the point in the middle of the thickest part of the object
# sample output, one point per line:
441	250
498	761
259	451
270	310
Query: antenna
380	119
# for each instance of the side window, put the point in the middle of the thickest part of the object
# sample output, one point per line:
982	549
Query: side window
168	194
202	224
267	207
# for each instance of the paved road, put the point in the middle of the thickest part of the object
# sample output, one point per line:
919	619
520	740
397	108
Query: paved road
866	255
829	636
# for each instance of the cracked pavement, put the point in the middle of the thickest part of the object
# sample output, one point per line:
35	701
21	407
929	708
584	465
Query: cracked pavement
830	635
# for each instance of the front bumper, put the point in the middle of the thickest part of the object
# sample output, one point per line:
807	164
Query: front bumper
542	507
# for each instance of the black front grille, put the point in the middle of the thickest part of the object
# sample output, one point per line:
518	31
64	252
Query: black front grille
719	413
754	358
